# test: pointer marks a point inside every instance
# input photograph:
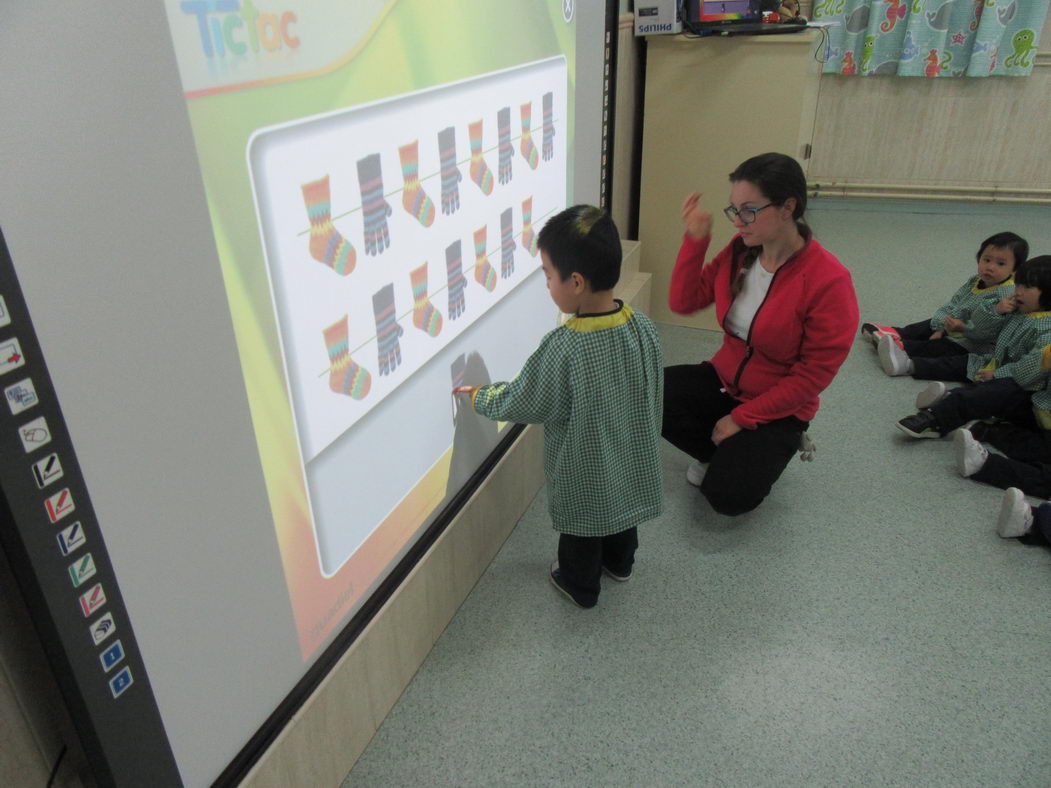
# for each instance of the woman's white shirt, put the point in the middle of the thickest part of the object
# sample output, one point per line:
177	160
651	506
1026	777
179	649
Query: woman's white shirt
742	312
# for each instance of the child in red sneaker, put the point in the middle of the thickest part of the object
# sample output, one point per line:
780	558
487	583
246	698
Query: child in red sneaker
934	349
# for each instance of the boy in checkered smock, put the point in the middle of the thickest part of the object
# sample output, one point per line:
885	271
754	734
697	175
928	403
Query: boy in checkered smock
596	384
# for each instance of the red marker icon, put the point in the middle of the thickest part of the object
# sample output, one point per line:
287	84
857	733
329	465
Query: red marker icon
59	505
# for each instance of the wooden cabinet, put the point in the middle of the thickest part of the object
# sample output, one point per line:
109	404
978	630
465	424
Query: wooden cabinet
710	104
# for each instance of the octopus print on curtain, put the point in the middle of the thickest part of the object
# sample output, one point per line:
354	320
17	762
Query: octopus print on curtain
932	38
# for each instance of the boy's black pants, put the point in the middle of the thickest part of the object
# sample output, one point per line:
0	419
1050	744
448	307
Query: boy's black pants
915	332
581	558
933	359
1026	466
743	468
951	366
998	397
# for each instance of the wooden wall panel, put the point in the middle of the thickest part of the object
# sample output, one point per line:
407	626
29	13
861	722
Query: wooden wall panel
939	132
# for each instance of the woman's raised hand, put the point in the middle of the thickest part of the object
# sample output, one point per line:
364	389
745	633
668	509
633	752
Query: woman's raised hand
696	221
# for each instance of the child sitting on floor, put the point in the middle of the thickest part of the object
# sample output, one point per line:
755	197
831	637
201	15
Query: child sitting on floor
1007	377
921	349
596	384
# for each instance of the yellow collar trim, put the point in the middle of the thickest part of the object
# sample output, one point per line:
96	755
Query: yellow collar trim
1009	281
1043	418
601	322
1038	315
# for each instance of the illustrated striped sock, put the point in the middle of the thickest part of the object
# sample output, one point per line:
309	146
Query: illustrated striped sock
424	314
413	197
480	172
507	245
528	236
327	245
345	375
527	147
483	272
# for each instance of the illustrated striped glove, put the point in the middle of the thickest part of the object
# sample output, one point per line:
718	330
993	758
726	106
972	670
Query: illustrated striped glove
507	245
451	176
548	146
457	283
387	330
374	208
503	127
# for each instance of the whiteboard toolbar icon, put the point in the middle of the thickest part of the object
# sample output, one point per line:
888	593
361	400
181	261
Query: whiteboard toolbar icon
112	656
103	628
71	538
120	682
21	396
5	316
59	505
47	470
92	599
34	434
10	356
82	570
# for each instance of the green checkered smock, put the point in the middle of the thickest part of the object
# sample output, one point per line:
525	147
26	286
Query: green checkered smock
1018	351
981	331
597	386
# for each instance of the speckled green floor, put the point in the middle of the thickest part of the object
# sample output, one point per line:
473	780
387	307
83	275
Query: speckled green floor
864	626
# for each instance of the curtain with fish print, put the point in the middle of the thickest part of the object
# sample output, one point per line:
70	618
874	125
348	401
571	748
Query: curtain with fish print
932	38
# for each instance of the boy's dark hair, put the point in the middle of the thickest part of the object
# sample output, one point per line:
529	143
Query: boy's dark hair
778	177
1017	244
583	240
1037	273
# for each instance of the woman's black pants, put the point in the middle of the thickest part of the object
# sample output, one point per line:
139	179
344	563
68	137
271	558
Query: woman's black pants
743	468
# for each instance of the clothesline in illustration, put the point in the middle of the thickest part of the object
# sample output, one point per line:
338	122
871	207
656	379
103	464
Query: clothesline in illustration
503	168
426	316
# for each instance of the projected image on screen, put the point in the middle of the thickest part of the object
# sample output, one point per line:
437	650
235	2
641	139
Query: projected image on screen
391	228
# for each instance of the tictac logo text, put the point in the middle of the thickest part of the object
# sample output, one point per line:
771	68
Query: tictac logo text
232	26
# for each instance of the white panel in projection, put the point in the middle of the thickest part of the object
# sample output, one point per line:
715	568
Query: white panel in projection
390	228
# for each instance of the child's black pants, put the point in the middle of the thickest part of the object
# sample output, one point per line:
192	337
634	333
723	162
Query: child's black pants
933	359
581	558
1026	466
1001	397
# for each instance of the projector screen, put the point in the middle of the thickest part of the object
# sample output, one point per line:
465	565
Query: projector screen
259	245
396	191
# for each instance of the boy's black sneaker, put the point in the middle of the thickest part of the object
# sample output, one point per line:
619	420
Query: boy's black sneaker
920	425
620	578
556	581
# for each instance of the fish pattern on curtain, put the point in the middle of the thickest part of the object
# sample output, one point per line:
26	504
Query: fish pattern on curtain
932	38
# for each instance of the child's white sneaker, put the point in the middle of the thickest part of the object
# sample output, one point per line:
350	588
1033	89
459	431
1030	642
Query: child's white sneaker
695	473
934	393
1016	516
970	454
893	359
